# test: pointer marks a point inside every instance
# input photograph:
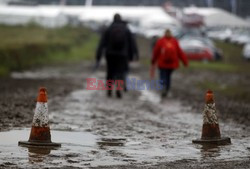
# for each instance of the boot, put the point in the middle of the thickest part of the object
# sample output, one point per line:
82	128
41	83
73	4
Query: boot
164	94
109	93
118	94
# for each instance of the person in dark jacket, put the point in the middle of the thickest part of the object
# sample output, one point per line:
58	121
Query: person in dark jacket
120	48
167	54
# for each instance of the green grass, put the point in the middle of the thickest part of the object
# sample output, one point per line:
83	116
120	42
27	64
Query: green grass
232	65
23	47
232	61
4	70
214	66
240	91
232	53
14	36
83	51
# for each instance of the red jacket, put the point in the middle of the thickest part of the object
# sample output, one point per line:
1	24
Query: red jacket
167	53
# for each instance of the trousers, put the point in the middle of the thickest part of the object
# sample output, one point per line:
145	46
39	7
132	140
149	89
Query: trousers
165	77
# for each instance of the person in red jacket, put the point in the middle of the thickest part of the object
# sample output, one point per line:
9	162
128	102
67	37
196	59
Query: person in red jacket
166	55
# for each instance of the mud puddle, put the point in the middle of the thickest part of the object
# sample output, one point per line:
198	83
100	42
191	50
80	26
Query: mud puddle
50	72
75	146
154	137
140	129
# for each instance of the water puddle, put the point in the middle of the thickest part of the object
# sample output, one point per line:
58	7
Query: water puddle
75	145
75	114
149	96
111	142
140	130
37	74
48	72
77	138
85	149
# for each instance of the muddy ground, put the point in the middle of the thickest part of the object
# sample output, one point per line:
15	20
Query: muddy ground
17	92
17	97
139	131
230	108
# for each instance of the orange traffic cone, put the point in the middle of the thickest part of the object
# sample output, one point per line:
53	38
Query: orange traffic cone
210	129
40	131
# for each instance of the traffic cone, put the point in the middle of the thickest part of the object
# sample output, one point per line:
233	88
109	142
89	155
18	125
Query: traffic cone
40	131
210	129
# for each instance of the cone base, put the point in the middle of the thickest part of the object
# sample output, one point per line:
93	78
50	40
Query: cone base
39	145
218	141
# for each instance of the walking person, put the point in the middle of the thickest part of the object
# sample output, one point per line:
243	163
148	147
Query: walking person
120	48
166	55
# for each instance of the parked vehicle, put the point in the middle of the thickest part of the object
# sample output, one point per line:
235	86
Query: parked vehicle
221	34
242	38
200	48
196	50
235	36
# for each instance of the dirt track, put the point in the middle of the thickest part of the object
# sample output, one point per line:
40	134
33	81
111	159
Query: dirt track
150	133
18	96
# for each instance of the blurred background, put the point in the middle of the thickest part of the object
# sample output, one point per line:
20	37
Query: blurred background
59	30
214	34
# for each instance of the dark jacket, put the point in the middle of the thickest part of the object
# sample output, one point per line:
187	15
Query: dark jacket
129	51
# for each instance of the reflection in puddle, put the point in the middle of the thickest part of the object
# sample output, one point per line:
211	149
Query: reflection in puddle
37	155
82	148
78	138
209	150
75	151
149	96
35	75
111	142
143	137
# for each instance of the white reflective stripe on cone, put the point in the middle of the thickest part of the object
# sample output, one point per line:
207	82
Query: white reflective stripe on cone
209	114
41	117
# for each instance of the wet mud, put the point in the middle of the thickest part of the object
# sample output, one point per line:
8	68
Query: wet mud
230	108
139	131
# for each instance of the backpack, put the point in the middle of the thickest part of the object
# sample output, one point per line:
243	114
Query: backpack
167	53
117	36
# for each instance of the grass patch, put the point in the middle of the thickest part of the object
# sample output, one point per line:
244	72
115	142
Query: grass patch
214	66
22	47
3	71
240	91
232	62
83	51
232	53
